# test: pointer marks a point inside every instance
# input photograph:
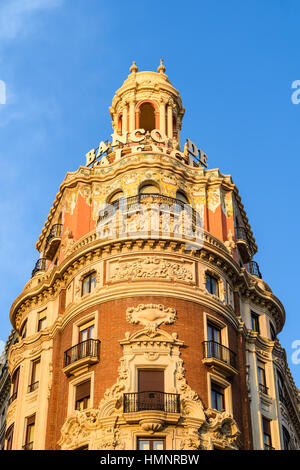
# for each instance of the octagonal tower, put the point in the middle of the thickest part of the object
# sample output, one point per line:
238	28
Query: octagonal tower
146	323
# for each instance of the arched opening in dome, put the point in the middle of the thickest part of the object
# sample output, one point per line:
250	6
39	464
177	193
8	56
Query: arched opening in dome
149	188
180	196
115	196
147	117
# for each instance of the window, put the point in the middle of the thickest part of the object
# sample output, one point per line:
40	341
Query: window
35	373
23	330
281	391
29	437
86	331
286	438
88	283
255	322
217	397
115	197
213	333
262	378
267	434
9	437
272	332
151	444
212	284
149	188
147	117
42	320
15	385
82	397
182	197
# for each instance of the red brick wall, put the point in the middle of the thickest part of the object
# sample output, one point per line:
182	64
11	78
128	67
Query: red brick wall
111	329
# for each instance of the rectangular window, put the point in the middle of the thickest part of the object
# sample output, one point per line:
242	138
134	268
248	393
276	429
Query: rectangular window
217	397
212	284
151	444
42	320
86	331
82	397
29	437
15	385
262	378
35	374
267	434
255	322
88	283
272	332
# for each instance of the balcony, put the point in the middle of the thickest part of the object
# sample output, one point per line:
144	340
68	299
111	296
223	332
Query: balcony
263	389
32	387
145	401
28	446
12	398
80	356
164	204
151	410
219	357
244	244
53	241
254	269
40	266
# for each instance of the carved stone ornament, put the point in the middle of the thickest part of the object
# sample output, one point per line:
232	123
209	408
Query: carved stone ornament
109	428
151	315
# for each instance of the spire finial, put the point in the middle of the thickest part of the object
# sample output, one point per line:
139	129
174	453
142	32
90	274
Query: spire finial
133	68
161	68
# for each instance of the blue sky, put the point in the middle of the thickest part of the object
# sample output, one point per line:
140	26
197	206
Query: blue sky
233	62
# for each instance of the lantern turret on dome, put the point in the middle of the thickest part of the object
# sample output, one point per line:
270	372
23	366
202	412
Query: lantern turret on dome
147	100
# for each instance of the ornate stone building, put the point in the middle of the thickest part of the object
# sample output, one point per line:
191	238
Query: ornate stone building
146	323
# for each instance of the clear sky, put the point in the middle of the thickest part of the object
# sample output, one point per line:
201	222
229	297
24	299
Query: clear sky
233	62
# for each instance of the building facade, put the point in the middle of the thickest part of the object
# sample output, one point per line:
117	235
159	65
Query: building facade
146	323
5	385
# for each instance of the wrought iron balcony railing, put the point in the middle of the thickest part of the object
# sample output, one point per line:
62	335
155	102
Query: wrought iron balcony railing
55	232
213	349
12	398
28	446
263	389
32	387
88	348
159	401
130	203
40	266
254	269
242	234
268	447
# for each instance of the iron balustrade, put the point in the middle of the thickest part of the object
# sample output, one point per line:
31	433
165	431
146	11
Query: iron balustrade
88	348
158	401
130	203
12	398
268	447
55	232
254	269
40	265
32	387
213	349
28	446
263	389
242	234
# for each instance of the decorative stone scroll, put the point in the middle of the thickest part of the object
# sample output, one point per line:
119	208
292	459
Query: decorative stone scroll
151	315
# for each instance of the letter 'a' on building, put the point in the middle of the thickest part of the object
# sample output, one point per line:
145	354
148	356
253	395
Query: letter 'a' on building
146	322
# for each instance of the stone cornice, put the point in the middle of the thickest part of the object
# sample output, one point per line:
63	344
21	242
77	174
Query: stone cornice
90	249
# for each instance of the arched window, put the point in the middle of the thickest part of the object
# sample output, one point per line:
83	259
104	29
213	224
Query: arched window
149	188
182	197
147	117
115	197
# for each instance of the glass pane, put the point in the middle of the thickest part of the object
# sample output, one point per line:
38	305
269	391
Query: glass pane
144	445
158	445
93	282
91	332
85	286
84	335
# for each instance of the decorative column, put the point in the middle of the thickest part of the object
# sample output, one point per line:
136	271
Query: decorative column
170	120
124	118
131	115
162	121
